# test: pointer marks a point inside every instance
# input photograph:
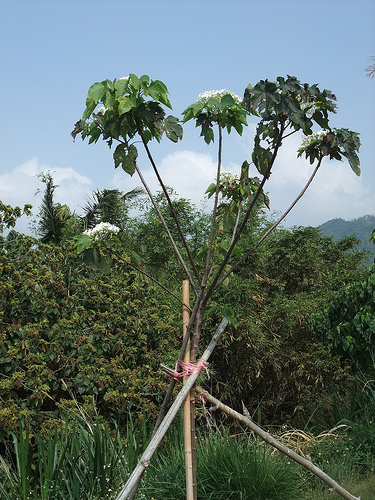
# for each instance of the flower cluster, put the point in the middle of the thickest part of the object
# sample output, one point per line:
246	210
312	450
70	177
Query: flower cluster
218	94
307	140
102	230
227	178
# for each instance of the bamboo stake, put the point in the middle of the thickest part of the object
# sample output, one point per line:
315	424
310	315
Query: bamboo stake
190	469
168	419
276	444
270	440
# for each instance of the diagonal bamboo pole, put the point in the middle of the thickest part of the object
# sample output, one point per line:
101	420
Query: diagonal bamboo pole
276	444
270	440
165	424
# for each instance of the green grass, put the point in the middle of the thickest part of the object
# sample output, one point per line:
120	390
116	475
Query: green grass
227	468
364	488
79	460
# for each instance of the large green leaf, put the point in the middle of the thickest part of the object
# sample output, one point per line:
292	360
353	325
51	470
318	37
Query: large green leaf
83	242
262	158
125	104
90	106
126	157
173	128
158	91
97	91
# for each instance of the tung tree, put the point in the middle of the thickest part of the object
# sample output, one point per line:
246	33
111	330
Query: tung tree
131	110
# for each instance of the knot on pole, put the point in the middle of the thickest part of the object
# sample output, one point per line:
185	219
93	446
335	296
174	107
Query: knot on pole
189	368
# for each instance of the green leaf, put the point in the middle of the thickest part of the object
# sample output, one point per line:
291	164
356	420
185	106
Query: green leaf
262	158
126	157
83	242
90	106
227	100
121	87
321	120
211	190
228	314
159	92
97	91
134	80
126	104
353	160
173	128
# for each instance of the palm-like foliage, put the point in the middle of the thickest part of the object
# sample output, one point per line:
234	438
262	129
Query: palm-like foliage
52	216
108	205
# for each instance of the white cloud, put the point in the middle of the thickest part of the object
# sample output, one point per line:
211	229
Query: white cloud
335	192
20	186
187	172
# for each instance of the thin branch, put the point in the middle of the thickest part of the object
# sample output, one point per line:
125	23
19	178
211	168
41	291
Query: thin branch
269	231
160	180
139	270
237	222
160	215
214	212
246	218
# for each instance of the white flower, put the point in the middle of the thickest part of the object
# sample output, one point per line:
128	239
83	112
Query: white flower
102	110
315	136
229	178
102	230
218	94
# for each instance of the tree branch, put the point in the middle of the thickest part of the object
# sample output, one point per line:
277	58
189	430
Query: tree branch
173	243
139	270
269	231
160	180
246	218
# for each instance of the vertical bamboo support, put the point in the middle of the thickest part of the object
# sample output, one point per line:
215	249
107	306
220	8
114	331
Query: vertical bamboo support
187	410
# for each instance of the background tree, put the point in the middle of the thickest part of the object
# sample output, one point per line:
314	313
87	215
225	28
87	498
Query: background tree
109	205
52	217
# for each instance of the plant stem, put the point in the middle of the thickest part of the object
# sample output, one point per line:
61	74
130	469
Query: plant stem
216	200
246	217
161	218
160	180
270	230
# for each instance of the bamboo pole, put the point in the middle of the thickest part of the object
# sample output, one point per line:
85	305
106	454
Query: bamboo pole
270	439
190	469
276	444
168	419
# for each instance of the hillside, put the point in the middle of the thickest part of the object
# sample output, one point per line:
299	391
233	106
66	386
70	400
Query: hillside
361	228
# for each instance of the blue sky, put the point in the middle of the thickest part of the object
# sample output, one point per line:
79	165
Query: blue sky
52	51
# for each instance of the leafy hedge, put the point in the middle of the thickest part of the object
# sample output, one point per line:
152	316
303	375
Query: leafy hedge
71	335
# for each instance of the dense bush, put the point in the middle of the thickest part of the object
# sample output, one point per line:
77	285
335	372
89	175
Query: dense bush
272	361
70	334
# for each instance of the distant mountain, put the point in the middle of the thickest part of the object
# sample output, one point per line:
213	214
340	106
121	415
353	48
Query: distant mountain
361	228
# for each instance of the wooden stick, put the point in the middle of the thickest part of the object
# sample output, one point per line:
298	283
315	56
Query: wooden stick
276	444
162	429
270	440
190	466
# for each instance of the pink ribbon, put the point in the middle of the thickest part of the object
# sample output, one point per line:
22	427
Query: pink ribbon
189	369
